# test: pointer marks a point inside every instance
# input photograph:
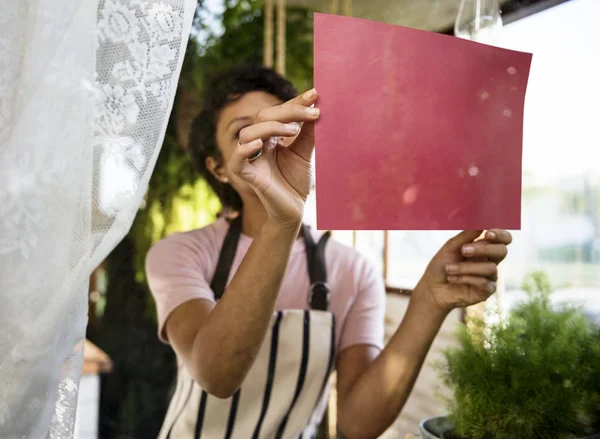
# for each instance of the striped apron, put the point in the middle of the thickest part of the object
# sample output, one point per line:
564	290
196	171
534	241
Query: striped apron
288	378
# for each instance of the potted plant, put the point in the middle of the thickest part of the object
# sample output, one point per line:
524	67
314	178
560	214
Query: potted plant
533	374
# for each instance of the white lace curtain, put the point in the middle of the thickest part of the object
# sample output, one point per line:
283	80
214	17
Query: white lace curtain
86	88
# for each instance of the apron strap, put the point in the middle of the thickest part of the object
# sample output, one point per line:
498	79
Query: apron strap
226	256
319	292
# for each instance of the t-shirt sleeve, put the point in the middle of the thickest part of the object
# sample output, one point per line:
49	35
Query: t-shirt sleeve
176	270
365	321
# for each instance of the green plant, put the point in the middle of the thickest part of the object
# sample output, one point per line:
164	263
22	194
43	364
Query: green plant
531	375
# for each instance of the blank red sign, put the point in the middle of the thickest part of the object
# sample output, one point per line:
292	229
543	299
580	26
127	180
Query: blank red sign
418	131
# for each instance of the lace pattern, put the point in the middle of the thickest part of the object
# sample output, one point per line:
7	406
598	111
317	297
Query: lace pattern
86	88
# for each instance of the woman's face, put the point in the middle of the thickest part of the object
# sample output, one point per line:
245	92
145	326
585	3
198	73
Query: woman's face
234	117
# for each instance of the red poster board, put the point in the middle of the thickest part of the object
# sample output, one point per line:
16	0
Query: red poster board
418	130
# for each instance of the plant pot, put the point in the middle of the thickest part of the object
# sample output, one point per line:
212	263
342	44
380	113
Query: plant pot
440	427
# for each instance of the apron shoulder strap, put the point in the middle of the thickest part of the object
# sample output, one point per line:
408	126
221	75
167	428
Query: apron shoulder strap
319	292
226	256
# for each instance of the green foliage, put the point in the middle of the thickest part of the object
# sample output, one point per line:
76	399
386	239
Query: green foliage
177	200
533	375
242	42
299	47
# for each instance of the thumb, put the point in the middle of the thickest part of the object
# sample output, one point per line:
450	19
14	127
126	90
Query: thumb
304	145
465	237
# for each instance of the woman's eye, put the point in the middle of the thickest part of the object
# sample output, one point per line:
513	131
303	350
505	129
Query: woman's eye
237	133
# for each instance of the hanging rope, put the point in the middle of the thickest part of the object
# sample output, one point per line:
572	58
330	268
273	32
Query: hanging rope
268	35
281	27
333	6
348	8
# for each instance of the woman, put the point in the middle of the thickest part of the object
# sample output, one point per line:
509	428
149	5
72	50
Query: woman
259	309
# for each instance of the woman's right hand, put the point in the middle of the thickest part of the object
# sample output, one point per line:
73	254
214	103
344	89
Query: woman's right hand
282	175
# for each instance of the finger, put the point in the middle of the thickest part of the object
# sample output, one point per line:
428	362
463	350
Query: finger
484	249
484	269
266	130
242	153
468	236
482	284
307	98
287	112
499	236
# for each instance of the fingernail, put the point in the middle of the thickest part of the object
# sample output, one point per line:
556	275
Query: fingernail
451	268
468	250
310	94
491	235
452	278
313	112
492	286
255	142
292	127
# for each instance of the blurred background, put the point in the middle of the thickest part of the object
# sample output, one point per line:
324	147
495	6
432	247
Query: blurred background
129	377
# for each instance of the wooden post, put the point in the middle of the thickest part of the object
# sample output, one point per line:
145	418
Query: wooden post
385	256
281	25
268	35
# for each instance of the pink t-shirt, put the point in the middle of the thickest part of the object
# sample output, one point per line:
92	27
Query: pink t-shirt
180	268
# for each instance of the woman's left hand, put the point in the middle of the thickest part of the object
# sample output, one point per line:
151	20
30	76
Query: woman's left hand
465	270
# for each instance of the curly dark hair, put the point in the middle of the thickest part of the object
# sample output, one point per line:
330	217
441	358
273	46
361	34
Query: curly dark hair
222	89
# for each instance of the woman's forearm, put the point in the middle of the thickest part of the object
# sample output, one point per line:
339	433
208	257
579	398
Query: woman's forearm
227	343
381	391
